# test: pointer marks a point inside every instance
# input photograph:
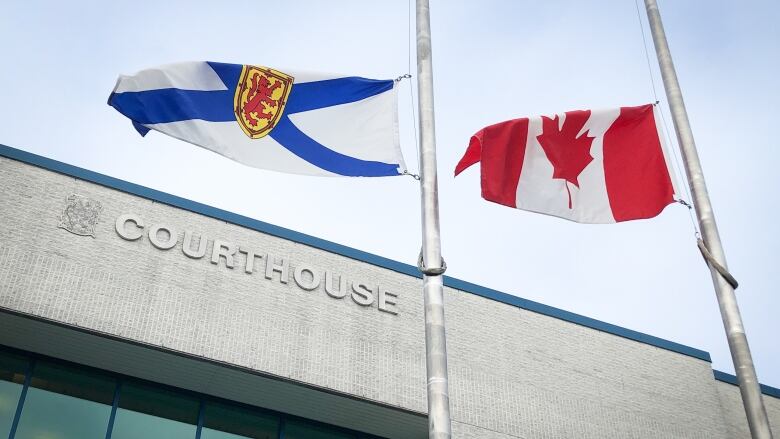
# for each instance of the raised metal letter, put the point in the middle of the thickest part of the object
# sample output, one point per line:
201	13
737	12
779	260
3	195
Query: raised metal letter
283	268
364	297
250	259
300	279
387	301
159	243
186	247
226	249
336	294
122	231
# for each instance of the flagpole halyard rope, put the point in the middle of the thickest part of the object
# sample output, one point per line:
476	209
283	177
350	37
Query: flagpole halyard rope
647	53
681	178
411	85
399	79
677	164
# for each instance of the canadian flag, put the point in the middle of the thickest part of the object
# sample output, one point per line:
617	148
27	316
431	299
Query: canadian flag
587	166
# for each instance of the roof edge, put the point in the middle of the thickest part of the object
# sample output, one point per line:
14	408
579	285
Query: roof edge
732	379
322	244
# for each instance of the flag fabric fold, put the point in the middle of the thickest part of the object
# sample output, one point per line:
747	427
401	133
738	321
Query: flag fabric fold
587	166
295	122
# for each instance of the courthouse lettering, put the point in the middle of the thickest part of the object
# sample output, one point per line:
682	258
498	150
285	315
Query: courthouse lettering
132	227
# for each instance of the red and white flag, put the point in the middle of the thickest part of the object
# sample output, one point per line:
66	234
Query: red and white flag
587	166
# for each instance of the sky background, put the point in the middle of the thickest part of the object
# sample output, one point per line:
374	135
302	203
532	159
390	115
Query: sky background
493	61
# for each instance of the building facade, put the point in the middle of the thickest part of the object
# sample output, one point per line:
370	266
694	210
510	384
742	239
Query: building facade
130	313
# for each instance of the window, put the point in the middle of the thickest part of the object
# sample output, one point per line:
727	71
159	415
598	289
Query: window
61	400
12	370
154	412
295	429
66	402
223	421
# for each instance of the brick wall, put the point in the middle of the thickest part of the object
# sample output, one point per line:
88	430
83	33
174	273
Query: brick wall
734	413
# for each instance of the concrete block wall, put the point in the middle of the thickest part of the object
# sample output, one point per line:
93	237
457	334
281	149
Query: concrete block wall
513	372
134	290
734	413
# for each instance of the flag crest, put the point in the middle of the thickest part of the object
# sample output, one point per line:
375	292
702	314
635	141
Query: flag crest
261	95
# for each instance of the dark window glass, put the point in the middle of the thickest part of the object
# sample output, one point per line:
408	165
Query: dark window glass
66	403
295	429
151	412
12	369
223	421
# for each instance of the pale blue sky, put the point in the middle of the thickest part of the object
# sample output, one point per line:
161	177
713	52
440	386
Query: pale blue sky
493	60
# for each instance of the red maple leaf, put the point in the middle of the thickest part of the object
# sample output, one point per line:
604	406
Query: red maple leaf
568	153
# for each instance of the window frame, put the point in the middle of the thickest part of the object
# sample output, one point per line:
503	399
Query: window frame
120	379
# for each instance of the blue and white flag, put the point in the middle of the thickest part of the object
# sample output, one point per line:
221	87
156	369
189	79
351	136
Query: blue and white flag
295	122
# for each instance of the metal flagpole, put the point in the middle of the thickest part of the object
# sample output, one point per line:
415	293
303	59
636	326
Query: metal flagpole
732	321
431	262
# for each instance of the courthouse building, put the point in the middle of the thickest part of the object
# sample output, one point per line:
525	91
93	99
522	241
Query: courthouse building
130	313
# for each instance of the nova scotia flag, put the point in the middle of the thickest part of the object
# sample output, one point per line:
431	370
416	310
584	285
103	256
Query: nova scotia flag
295	122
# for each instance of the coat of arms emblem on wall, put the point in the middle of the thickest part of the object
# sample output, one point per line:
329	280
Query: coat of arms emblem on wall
81	215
